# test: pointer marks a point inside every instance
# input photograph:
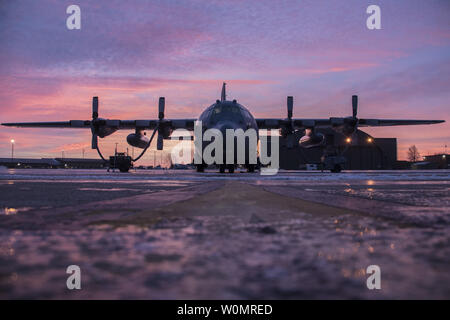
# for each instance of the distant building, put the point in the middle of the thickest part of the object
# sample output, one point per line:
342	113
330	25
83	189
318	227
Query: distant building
363	152
440	161
48	163
81	163
29	163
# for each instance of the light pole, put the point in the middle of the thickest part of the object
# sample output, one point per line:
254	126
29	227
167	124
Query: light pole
12	149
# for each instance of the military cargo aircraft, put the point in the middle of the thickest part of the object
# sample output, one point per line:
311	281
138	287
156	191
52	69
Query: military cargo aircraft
223	114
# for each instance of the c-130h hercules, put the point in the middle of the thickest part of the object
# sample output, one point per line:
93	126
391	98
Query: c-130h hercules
223	114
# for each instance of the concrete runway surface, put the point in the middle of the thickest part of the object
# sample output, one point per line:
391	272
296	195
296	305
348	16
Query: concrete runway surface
177	234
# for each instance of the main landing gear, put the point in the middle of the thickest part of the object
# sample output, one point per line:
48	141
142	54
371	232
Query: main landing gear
333	160
224	167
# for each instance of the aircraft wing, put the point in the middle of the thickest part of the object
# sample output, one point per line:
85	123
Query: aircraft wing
117	124
331	122
388	123
55	124
188	124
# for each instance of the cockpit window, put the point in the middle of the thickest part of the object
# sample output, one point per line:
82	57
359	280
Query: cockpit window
224	112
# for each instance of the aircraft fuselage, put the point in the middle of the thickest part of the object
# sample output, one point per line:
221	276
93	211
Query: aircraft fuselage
224	115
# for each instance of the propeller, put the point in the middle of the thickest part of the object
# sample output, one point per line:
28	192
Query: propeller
352	122
161	107
94	127
290	106
355	105
288	130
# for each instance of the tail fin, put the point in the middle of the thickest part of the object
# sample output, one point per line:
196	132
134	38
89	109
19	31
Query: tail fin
224	94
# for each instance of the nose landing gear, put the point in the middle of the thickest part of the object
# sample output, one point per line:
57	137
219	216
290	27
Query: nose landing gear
223	167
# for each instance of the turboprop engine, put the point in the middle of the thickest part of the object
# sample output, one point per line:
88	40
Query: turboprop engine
348	125
138	139
311	139
100	127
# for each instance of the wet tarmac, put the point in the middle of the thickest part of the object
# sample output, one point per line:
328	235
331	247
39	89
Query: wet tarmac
177	234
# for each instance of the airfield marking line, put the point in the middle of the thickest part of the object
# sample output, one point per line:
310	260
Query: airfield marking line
74	217
244	201
372	208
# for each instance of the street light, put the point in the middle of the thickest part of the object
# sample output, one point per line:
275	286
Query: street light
12	149
369	140
348	140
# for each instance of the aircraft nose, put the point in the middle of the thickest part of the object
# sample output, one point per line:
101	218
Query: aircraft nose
222	126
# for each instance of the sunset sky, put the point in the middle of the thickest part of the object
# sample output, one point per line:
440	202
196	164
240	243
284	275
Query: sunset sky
131	52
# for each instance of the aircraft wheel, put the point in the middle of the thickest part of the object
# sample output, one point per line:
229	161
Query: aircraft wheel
222	168
231	168
251	168
200	168
124	169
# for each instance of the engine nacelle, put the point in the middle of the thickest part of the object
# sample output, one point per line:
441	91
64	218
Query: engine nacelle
348	127
347	130
311	139
103	130
137	140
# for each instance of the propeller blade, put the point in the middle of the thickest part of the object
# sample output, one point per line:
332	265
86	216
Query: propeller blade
290	106
94	141
94	107
355	105
160	142
161	107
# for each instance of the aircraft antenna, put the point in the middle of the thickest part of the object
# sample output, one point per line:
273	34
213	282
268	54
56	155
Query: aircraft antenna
224	93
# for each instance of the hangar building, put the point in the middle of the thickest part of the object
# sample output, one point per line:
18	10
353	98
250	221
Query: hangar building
363	152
